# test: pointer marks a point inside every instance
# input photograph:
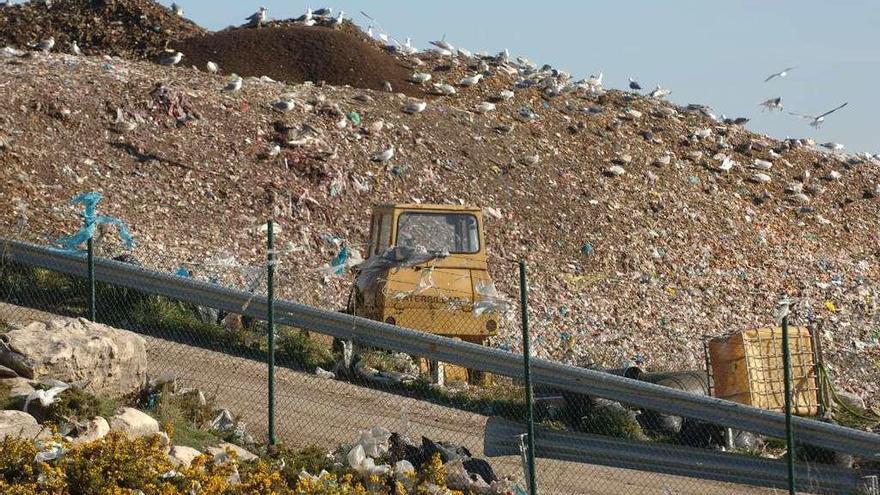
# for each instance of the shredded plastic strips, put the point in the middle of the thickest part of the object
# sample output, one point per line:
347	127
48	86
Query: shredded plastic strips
91	220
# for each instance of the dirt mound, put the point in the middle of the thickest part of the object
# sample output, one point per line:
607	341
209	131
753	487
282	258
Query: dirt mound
296	54
129	28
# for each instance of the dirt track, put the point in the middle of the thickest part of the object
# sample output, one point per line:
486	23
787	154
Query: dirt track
311	410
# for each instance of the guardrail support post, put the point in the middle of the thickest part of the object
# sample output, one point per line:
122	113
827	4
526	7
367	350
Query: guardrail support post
527	356
90	255
270	319
789	431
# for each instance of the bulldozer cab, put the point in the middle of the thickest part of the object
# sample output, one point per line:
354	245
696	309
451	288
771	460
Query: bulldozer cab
427	271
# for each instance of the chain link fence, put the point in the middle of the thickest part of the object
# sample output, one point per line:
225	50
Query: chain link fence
327	391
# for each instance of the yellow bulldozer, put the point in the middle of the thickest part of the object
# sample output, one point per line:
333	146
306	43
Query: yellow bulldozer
426	270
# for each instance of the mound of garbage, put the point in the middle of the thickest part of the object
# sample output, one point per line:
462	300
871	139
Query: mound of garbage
131	28
296	54
647	225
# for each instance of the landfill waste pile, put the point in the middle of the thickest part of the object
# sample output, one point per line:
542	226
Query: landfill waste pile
293	53
646	225
131	28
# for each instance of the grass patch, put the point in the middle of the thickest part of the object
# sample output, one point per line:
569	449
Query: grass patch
7	402
174	419
298	349
312	459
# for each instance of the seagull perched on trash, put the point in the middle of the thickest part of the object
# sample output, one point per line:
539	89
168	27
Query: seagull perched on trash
212	67
284	105
235	82
384	155
258	17
659	92
337	21
420	77
470	80
781	73
817	120
443	44
177	9
47	44
170	58
832	146
773	104
415	106
444	89
633	85
74	48
595	80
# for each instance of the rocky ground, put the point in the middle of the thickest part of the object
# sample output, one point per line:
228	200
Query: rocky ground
639	243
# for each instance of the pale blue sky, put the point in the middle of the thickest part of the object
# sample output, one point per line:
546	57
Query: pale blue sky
705	51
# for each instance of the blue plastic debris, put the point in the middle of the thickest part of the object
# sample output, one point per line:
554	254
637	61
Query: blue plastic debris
91	220
587	249
183	272
339	261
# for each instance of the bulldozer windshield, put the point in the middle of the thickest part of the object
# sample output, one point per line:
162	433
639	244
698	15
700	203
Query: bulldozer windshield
451	232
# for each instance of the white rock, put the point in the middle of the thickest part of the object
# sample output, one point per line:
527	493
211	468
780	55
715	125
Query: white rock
834	175
97	429
134	423
221	455
20	424
180	455
111	362
18	387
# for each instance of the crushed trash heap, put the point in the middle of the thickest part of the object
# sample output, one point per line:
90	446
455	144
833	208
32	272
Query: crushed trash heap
647	225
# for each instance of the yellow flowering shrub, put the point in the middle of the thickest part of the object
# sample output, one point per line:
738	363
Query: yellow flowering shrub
117	465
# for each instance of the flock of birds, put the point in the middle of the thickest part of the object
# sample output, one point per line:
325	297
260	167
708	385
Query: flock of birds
553	81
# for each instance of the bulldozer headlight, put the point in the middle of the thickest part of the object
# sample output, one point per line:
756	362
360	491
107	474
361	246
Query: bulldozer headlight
390	320
491	325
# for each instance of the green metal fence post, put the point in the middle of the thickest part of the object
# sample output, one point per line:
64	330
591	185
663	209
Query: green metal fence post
789	431
90	262
524	310
270	318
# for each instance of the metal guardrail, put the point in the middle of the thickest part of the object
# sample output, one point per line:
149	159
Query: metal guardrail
383	335
502	440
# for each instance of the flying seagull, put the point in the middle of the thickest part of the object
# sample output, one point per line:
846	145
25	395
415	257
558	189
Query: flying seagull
781	73
773	104
633	85
816	120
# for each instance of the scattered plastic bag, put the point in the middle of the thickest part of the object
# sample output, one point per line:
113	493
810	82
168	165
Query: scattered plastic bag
489	300
322	373
49	452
